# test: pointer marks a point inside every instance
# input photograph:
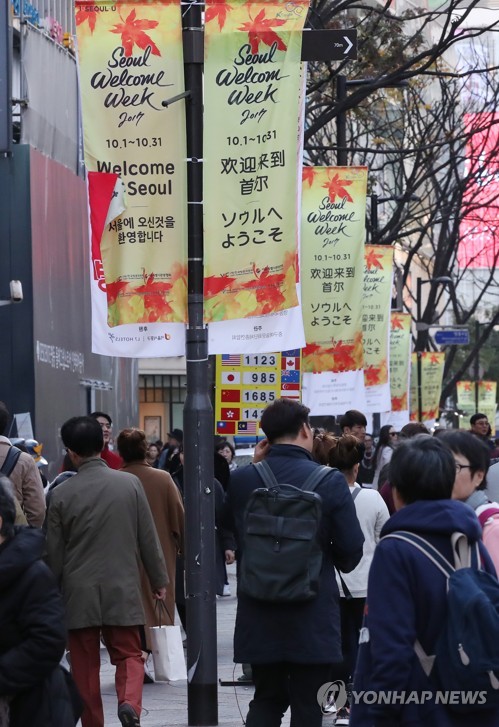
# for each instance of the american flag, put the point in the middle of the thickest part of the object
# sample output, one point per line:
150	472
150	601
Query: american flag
231	359
248	427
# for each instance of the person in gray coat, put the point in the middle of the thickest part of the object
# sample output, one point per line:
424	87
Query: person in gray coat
99	528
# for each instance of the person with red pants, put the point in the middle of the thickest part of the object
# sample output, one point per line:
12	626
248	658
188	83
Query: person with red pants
99	525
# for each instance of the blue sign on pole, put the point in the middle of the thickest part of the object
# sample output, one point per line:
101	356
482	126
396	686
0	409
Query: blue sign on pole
453	337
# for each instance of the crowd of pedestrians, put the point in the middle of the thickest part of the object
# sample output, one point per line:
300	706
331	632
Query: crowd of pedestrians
370	623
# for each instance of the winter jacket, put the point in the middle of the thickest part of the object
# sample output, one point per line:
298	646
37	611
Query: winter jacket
304	633
99	529
406	601
32	635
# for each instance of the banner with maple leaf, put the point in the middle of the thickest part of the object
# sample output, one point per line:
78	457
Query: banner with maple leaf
432	372
252	112
131	59
465	392
376	305
487	393
400	369
332	266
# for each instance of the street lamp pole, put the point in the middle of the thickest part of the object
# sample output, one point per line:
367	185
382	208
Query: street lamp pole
477	364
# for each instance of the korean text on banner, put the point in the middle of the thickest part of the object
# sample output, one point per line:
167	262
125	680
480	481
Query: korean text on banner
130	60
376	304
252	96
432	372
400	356
247	383
332	267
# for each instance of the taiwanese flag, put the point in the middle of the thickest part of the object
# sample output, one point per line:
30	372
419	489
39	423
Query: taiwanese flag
230	395
226	427
290	363
230	414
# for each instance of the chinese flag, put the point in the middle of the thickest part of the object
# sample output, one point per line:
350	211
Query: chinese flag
230	395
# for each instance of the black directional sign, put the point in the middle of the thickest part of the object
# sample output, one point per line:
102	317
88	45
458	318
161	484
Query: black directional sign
329	45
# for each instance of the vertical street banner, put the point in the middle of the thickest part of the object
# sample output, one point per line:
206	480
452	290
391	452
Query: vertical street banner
247	383
332	281
400	357
432	372
376	305
130	61
466	397
487	394
252	96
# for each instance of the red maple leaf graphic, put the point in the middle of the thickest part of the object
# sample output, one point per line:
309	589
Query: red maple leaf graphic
310	349
214	284
488	386
259	31
90	15
399	403
372	375
269	292
336	188
344	359
373	261
308	174
132	33
114	289
217	10
397	323
434	359
155	303
467	386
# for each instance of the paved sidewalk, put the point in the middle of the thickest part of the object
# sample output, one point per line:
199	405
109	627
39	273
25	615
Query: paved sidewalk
165	704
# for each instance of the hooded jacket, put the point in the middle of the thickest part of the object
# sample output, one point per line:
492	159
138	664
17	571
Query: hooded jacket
407	601
32	634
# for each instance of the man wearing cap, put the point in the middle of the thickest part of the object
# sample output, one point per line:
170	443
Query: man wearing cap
112	459
171	448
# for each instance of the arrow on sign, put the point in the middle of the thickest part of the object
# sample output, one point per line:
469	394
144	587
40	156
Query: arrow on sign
349	44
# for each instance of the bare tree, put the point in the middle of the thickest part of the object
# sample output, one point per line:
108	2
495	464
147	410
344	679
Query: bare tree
428	146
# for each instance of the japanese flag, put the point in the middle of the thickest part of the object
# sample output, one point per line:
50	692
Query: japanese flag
230	377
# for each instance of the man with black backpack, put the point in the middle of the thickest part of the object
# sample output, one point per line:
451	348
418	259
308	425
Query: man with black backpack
294	522
24	475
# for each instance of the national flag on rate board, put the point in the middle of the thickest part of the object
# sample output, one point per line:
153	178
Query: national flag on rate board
230	413
230	377
231	359
230	395
290	363
226	427
290	387
295	352
248	427
285	394
290	377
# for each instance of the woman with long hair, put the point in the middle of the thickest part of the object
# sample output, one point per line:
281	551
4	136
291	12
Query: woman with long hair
388	440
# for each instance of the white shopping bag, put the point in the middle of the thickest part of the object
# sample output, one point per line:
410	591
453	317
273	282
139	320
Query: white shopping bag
167	653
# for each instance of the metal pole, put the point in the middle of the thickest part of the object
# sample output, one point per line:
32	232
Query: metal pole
202	697
477	365
374	217
418	334
341	127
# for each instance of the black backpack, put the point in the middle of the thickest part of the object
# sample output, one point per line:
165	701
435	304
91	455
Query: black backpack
282	556
10	461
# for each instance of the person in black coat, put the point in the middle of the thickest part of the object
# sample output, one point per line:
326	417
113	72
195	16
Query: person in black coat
291	647
32	632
